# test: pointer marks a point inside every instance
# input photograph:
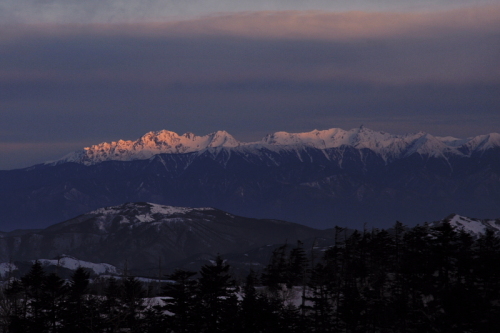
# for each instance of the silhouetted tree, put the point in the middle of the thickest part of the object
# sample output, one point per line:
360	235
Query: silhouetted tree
112	306
34	319
275	275
216	297
78	315
132	298
54	293
297	266
181	301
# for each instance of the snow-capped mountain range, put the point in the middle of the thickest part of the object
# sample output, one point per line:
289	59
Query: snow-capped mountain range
320	178
389	146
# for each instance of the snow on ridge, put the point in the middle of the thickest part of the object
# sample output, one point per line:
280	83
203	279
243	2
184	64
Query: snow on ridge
145	211
332	138
170	210
150	144
389	146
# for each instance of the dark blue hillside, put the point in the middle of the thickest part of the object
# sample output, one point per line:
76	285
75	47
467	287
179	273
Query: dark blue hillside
319	188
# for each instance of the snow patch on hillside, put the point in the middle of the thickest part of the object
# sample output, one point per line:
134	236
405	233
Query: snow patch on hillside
134	214
470	225
171	210
6	268
144	211
452	141
473	226
73	263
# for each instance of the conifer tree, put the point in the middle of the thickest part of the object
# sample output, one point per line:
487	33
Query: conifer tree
444	249
335	263
216	297
297	267
133	303
12	306
487	272
250	312
54	293
276	273
112	307
154	320
322	298
181	301
33	318
76	313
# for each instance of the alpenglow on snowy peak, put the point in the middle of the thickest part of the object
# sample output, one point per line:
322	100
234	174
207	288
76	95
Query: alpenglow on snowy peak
319	178
150	144
388	146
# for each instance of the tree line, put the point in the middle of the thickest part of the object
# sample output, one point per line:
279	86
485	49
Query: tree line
421	279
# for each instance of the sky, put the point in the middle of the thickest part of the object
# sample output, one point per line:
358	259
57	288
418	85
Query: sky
76	73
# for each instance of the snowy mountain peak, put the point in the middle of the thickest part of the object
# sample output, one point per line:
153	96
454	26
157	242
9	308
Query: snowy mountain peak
428	144
150	144
481	143
222	139
388	146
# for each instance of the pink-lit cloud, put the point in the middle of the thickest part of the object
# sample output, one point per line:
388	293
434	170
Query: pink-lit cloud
336	26
393	48
287	24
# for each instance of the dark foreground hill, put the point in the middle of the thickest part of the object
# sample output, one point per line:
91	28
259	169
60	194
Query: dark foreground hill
147	238
429	278
143	236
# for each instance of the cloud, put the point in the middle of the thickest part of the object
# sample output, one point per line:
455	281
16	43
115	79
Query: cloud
393	48
286	24
340	26
116	11
389	48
